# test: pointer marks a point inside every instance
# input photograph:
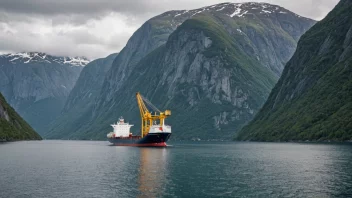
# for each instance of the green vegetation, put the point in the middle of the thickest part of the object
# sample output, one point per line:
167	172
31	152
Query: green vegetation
212	89
190	121
313	98
15	128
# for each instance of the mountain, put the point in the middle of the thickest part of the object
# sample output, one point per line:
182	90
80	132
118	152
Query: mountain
12	126
313	98
81	100
286	25
36	84
213	66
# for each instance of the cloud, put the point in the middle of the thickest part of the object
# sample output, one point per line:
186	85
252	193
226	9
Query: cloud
95	38
314	9
97	28
93	8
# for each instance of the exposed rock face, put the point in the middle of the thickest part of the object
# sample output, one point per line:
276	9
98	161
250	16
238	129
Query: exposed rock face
4	114
313	98
37	84
81	100
12	126
214	71
286	30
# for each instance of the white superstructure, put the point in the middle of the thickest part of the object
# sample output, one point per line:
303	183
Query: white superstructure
156	128
121	129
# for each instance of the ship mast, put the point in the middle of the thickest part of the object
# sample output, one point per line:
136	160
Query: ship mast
147	117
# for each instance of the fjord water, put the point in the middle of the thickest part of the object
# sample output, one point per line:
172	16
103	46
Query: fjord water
95	169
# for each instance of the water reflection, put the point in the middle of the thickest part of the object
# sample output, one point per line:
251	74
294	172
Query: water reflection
152	172
92	169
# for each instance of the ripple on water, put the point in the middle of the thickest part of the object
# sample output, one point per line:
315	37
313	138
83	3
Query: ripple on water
94	169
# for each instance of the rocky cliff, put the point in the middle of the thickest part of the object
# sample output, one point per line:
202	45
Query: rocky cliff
37	85
313	98
81	100
213	66
280	25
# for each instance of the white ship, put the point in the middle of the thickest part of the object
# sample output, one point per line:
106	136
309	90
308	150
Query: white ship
154	131
121	129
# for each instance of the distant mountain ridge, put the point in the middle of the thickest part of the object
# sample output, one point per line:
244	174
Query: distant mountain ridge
36	84
28	57
156	31
313	98
82	98
213	66
235	10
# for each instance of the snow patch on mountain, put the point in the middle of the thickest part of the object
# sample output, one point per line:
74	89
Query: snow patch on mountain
237	12
29	57
220	9
14	59
198	12
232	10
77	61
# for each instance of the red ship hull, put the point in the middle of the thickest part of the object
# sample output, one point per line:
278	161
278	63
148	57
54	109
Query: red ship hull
161	144
150	140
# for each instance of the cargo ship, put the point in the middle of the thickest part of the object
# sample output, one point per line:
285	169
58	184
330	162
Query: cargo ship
154	131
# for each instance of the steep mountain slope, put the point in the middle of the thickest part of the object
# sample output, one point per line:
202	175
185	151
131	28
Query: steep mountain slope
313	98
81	99
12	126
204	77
37	84
257	39
287	27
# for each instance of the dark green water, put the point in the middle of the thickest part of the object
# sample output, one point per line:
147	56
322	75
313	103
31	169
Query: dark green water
94	169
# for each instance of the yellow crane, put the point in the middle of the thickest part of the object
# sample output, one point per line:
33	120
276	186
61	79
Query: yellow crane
147	117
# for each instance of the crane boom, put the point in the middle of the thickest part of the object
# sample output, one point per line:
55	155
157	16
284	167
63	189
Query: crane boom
147	117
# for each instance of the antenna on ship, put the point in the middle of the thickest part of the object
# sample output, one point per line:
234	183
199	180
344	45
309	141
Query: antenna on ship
147	117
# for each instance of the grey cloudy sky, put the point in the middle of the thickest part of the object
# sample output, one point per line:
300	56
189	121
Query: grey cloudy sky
97	28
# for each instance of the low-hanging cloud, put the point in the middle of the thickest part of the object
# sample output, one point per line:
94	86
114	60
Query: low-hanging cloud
97	28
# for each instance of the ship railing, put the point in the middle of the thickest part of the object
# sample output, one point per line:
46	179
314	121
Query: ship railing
157	125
